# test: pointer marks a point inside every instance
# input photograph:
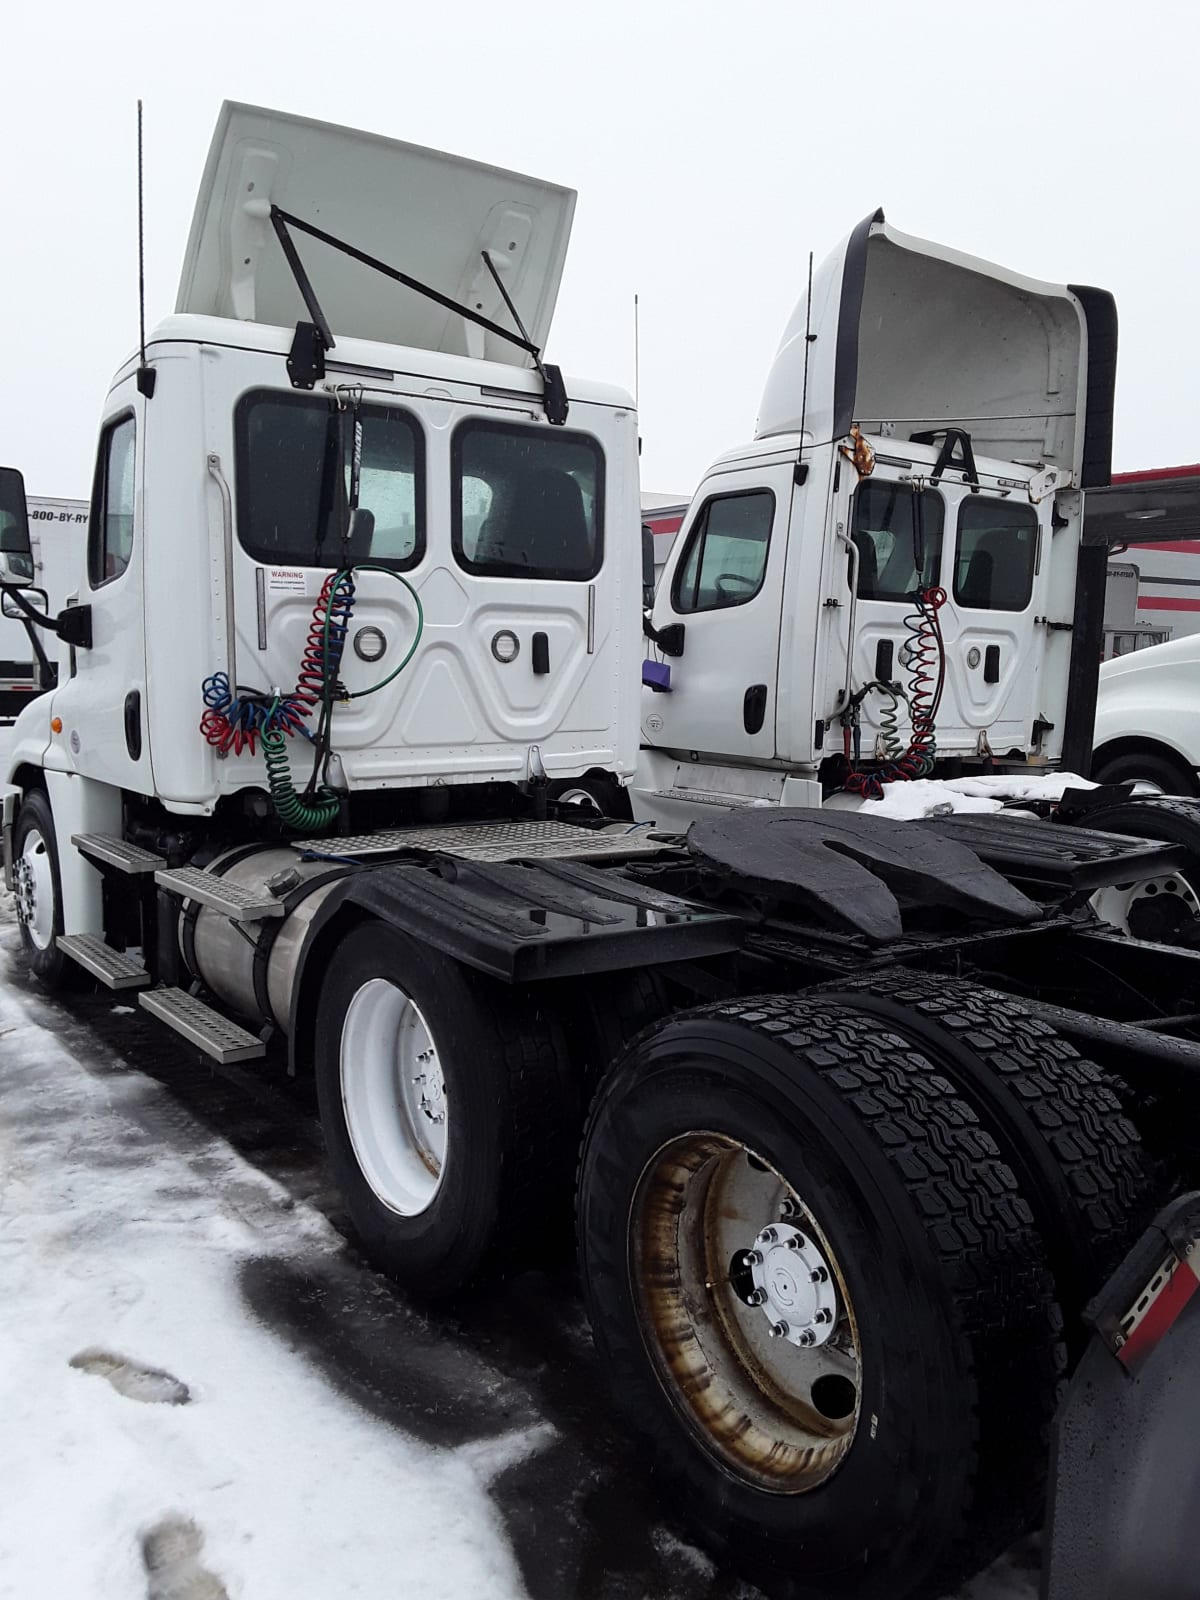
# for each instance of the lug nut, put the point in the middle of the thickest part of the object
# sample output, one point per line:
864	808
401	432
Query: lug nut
807	1337
753	1258
789	1208
824	1315
768	1236
756	1297
819	1275
798	1242
779	1330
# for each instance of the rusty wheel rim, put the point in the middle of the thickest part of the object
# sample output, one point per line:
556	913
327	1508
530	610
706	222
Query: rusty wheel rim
779	1416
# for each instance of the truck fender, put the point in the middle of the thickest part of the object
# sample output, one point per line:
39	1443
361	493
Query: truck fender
1124	1495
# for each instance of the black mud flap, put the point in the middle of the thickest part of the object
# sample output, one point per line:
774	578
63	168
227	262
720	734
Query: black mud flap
1124	1505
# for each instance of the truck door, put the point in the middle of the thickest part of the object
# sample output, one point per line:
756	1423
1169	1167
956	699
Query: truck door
994	646
724	585
103	706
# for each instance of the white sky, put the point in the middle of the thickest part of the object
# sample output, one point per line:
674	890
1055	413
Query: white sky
712	144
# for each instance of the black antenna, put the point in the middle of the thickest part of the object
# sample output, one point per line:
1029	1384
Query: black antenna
145	375
636	356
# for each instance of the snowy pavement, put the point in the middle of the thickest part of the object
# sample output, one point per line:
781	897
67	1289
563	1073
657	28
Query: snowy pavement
206	1394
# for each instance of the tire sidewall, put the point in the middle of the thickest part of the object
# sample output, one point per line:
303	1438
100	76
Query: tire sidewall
1172	776
49	965
461	1214
917	1396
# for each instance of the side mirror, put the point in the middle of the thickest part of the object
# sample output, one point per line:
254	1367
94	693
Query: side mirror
647	565
16	554
37	598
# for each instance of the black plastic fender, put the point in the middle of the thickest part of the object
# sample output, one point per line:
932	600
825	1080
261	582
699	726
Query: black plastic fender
1124	1498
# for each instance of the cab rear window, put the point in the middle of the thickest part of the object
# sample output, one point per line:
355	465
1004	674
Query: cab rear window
293	454
996	555
527	502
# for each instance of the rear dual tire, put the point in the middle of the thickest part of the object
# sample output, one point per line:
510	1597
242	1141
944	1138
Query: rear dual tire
943	1294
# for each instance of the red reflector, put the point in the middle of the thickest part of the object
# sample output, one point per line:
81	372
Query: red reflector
1159	1316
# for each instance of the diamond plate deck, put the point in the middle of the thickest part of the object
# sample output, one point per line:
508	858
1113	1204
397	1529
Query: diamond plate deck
497	841
207	1029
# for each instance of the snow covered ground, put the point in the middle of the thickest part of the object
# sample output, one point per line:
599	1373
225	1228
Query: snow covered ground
206	1395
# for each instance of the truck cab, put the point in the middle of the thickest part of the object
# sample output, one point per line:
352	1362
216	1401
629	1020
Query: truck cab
923	433
399	431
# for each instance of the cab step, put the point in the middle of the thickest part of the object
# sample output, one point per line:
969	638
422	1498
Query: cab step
113	967
114	852
200	1025
230	899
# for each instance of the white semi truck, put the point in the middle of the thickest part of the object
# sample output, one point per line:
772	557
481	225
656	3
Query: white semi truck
360	626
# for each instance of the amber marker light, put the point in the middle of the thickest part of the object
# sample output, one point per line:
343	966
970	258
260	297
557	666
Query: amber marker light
55	724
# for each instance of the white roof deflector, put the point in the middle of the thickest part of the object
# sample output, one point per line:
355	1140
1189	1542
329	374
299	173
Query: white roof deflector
907	337
424	213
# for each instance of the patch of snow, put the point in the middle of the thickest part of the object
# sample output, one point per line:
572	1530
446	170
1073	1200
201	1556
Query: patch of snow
268	1485
940	797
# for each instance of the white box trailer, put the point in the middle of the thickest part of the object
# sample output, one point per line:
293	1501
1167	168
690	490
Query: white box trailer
54	527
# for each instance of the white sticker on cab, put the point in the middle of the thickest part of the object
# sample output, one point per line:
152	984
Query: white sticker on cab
287	580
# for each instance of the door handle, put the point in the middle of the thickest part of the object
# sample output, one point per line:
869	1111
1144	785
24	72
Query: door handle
133	724
991	664
754	707
540	653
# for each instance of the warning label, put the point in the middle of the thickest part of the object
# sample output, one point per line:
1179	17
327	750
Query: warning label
287	580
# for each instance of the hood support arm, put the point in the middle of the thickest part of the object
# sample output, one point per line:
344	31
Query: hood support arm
554	400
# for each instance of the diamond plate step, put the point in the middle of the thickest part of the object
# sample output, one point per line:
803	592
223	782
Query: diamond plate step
112	967
116	853
207	1029
231	899
497	841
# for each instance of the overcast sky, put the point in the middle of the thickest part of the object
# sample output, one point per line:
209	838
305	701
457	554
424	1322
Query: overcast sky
712	145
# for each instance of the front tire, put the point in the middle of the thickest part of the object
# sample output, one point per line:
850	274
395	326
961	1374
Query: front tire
1167	775
442	1100
715	1139
39	892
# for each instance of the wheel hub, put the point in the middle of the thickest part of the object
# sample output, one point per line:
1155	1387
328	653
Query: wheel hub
24	891
791	1285
431	1086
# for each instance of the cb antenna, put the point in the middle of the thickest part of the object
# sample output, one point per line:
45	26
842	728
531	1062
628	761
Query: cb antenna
636	355
145	375
801	469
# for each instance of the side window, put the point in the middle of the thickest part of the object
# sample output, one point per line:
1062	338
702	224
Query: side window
527	502
890	521
110	527
997	551
726	556
291	506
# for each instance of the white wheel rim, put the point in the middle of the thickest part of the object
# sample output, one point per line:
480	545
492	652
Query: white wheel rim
393	1097
1115	903
578	797
35	890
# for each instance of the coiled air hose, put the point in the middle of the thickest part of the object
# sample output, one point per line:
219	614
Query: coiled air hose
927	679
236	720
